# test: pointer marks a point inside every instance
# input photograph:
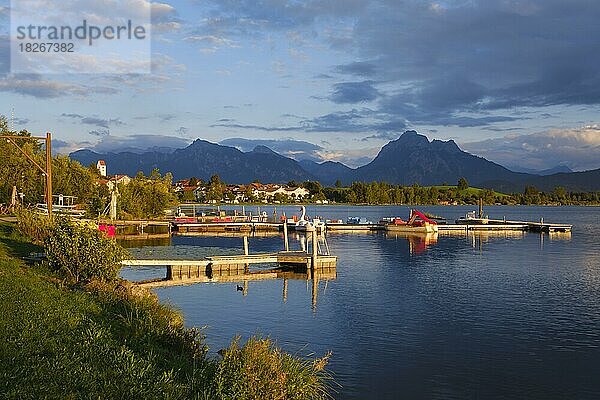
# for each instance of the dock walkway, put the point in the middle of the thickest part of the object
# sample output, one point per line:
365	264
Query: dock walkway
217	267
502	224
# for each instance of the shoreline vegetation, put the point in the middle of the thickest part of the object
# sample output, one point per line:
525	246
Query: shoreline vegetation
70	328
145	197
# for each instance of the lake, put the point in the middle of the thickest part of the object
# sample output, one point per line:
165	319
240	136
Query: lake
500	315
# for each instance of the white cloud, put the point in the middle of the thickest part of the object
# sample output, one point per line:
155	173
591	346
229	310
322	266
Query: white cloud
162	10
138	143
44	88
211	43
578	148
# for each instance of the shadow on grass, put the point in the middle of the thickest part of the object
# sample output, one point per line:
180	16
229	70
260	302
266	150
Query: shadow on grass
13	244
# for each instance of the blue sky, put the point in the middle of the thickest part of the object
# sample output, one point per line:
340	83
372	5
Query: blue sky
515	81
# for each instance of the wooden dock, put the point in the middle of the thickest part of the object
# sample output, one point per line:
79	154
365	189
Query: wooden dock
354	227
483	227
507	225
190	228
290	258
235	266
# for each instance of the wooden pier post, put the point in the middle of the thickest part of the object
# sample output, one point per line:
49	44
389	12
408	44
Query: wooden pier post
314	248
315	290
286	243
246	266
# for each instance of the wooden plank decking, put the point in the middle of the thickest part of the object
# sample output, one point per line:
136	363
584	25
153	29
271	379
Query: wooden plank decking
236	265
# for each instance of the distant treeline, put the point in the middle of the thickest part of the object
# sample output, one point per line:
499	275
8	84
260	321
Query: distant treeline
384	193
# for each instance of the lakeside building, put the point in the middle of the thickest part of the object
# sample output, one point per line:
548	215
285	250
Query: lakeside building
235	194
110	181
270	192
101	166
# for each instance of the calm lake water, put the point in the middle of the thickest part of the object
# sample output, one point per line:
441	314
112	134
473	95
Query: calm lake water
503	315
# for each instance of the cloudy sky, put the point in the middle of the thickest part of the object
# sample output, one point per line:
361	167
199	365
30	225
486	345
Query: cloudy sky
515	81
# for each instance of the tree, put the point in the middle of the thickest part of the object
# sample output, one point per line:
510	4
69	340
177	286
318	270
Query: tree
17	170
462	184
338	183
314	187
71	178
531	195
216	189
559	194
147	198
188	196
488	196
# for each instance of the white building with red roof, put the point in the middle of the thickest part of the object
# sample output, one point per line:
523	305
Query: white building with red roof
101	165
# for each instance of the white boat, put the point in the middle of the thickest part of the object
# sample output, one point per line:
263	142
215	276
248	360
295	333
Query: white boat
65	206
305	225
358	221
471	219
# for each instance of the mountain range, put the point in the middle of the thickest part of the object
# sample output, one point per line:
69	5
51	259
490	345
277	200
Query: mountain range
410	159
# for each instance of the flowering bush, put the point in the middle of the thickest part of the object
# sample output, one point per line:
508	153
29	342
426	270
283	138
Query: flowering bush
82	253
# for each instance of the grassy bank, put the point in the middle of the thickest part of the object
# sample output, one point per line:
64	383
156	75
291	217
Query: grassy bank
109	340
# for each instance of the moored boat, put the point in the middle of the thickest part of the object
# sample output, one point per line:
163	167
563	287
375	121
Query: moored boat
470	218
417	222
306	225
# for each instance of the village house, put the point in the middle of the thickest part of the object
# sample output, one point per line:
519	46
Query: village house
110	181
101	166
189	189
269	192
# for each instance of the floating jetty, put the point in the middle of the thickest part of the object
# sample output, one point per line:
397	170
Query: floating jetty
483	227
138	229
232	268
354	227
487	225
471	223
183	228
262	224
310	262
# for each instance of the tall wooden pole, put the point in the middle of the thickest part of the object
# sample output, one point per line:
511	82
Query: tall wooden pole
46	171
246	252
286	243
314	248
49	172
246	266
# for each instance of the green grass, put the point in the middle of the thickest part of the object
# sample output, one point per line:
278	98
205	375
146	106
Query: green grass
64	343
14	244
468	191
109	341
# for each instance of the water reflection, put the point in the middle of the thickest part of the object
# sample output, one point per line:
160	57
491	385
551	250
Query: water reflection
474	315
139	243
312	278
417	242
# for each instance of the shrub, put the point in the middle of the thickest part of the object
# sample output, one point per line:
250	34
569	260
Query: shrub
37	227
82	253
260	370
